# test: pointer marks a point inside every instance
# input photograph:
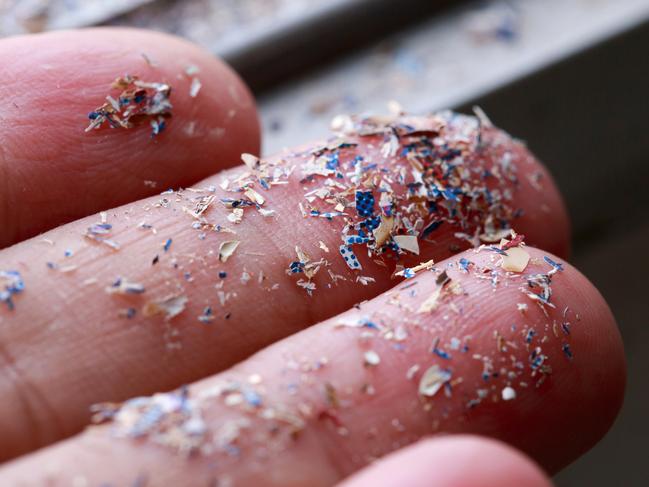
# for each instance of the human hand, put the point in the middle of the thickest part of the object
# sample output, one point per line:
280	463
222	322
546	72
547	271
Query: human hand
161	299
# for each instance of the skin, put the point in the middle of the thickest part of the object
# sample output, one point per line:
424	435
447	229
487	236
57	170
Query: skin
321	455
455	461
65	347
53	80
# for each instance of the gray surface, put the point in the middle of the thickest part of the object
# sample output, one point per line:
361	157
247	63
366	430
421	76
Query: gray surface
619	267
443	63
585	118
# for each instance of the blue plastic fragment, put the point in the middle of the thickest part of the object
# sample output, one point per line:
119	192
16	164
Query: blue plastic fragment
252	398
554	264
441	353
355	239
497	250
350	258
100	228
365	203
296	267
13	284
567	351
464	264
431	228
408	273
529	336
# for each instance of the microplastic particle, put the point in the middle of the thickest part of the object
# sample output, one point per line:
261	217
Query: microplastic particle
171	419
407	242
227	248
350	258
567	351
171	307
124	286
410	272
371	358
515	260
508	394
138	98
556	266
13	284
433	380
195	87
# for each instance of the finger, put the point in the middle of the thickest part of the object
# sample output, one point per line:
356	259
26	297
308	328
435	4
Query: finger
52	172
452	461
316	407
51	339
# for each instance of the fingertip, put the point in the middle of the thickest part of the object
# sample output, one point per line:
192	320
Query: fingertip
596	376
63	75
452	461
588	371
562	360
53	80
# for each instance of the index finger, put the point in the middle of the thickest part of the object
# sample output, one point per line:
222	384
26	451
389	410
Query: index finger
52	172
309	410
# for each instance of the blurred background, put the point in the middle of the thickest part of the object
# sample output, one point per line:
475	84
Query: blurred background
571	77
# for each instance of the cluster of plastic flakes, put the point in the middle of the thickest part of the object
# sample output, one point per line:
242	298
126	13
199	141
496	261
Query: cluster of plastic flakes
137	99
444	168
11	283
171	419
